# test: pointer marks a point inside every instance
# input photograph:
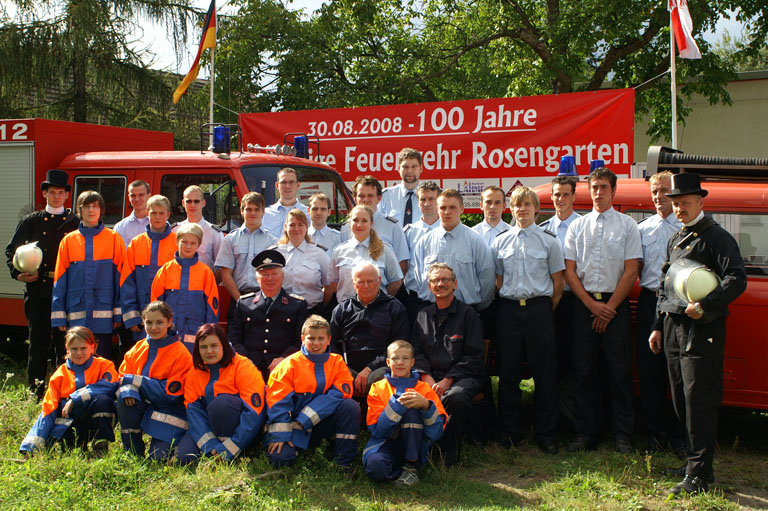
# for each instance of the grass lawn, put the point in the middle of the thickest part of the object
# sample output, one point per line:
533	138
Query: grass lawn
489	478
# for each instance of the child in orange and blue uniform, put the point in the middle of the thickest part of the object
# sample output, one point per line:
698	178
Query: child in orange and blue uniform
78	404
151	394
405	417
188	286
145	254
224	395
86	287
309	399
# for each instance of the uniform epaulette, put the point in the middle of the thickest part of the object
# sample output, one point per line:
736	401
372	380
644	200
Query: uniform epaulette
217	228
296	296
248	295
550	233
500	233
405	229
644	219
391	219
322	246
175	225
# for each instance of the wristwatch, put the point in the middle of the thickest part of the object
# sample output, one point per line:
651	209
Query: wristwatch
698	309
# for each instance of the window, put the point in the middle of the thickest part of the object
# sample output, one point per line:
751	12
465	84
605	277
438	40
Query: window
218	193
111	188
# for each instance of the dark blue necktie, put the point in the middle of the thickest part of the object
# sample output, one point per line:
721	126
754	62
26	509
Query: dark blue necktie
408	216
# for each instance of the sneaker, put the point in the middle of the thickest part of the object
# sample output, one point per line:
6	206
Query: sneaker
408	477
691	484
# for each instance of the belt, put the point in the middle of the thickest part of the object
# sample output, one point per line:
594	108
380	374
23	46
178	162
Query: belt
50	274
527	301
647	290
602	297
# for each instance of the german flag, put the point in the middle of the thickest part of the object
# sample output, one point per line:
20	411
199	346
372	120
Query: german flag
208	41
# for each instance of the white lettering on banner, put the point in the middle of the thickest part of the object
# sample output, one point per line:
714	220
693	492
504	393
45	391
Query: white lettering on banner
495	122
548	158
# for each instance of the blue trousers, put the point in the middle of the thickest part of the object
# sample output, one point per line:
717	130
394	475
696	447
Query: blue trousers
224	414
131	433
342	427
96	422
387	463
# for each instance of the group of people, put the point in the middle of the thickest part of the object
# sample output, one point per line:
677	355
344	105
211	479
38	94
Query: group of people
396	312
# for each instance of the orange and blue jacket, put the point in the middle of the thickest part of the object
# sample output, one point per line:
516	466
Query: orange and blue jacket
70	381
303	390
239	378
86	286
155	370
143	257
189	287
385	412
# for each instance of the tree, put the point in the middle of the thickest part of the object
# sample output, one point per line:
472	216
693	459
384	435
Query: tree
385	51
72	59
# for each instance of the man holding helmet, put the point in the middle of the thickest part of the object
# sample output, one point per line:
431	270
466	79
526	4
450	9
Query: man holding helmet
694	326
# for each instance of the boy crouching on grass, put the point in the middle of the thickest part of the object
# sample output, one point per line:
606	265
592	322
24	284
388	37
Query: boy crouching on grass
309	399
78	406
405	417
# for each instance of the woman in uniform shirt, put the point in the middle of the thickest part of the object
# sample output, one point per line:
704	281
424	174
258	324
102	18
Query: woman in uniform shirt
307	266
364	245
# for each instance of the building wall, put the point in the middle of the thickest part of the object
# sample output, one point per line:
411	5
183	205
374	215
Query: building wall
739	130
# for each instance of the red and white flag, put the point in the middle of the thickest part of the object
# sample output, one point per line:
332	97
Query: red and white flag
682	25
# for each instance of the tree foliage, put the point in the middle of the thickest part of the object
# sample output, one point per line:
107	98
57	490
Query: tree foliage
74	60
366	52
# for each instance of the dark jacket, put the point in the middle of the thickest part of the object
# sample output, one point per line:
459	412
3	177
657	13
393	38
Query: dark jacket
714	247
362	334
449	342
48	230
264	333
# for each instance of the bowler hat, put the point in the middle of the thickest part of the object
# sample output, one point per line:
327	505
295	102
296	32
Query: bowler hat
268	259
688	183
55	177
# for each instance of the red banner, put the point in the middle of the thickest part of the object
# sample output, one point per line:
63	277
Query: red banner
466	144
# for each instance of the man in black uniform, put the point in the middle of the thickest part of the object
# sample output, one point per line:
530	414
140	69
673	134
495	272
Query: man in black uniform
47	227
448	343
694	333
266	326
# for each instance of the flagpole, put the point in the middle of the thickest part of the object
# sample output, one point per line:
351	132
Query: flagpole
210	107
673	82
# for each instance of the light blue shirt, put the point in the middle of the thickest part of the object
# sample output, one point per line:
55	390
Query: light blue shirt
559	227
488	233
212	239
413	233
390	232
327	237
393	201
130	227
274	217
467	253
600	243
307	271
351	252
238	250
654	235
526	259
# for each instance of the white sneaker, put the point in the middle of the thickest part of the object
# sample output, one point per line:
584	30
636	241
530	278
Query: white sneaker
408	477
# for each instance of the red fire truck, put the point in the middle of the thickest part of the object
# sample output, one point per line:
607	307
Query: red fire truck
223	176
738	200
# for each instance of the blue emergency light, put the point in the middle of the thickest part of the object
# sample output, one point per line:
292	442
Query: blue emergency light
301	144
596	164
568	167
221	139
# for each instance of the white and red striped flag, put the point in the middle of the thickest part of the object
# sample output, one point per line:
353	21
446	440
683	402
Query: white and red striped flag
682	25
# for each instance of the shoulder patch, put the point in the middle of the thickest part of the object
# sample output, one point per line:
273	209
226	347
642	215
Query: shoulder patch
174	386
296	296
256	400
547	231
346	388
391	219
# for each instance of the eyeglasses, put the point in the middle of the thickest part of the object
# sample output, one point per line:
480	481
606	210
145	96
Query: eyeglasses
397	360
441	280
193	201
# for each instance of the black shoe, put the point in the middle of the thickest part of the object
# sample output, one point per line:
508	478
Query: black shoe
691	484
623	446
548	447
506	442
582	443
677	473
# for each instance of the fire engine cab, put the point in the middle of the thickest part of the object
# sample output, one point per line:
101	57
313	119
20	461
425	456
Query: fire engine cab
737	200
